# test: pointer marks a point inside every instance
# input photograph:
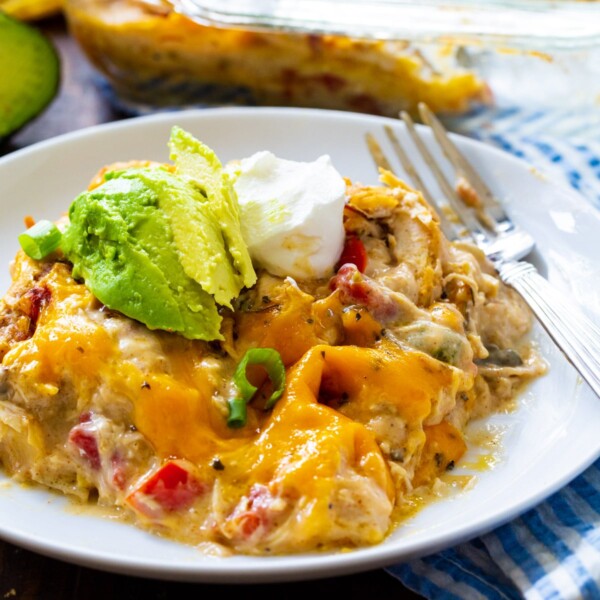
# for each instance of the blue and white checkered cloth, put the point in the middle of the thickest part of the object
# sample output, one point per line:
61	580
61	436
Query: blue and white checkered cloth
552	551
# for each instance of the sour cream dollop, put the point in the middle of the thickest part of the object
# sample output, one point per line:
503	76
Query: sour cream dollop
291	213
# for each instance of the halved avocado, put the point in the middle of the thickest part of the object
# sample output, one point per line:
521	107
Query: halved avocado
30	74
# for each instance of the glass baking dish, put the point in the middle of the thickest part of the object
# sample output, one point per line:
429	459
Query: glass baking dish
376	57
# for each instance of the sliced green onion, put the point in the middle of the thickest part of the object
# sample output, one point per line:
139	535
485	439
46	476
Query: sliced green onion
40	239
270	360
237	413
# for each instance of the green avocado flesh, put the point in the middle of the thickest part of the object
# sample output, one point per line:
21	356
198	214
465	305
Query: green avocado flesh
147	245
199	164
30	74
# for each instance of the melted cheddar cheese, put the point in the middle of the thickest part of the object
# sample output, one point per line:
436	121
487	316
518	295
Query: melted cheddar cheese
382	374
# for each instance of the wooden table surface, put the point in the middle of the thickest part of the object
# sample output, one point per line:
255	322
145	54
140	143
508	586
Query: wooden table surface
24	574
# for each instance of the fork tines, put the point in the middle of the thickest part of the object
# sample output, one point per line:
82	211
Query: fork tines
482	218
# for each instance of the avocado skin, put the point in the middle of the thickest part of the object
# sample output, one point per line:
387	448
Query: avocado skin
30	68
120	242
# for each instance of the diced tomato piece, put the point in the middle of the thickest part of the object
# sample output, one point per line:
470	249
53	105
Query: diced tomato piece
38	297
87	444
254	514
172	487
86	417
356	288
355	253
249	523
119	474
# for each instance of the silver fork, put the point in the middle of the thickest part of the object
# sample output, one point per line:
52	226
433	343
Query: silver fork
484	222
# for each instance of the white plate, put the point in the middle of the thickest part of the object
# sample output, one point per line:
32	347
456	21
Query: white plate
550	439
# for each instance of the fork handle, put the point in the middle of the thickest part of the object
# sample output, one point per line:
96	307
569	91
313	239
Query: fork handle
571	330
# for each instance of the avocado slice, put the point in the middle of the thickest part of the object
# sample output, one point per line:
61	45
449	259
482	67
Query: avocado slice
30	69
